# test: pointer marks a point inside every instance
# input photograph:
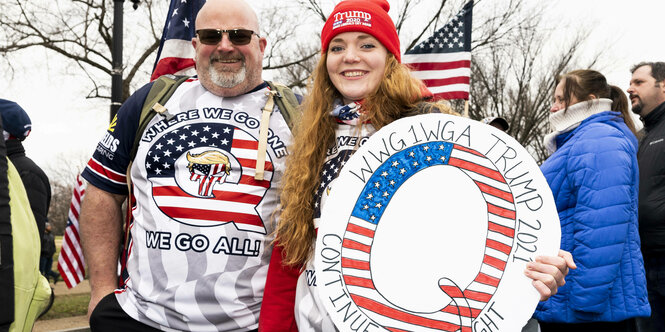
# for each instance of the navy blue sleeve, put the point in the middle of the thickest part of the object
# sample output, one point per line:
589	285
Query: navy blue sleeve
107	168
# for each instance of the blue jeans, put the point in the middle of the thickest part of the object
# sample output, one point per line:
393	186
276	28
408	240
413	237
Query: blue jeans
655	270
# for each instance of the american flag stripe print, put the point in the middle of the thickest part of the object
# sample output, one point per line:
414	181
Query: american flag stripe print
183	206
226	203
70	261
106	173
361	228
205	187
237	197
445	76
357	277
461	302
443	61
175	54
501	223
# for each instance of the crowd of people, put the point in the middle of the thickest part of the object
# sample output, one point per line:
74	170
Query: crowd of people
189	255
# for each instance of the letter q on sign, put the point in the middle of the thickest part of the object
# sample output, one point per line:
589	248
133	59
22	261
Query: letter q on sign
427	239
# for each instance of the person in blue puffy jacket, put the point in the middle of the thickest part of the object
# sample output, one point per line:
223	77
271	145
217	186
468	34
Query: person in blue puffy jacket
593	174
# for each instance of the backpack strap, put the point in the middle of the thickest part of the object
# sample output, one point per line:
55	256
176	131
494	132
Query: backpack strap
287	102
163	89
159	94
263	136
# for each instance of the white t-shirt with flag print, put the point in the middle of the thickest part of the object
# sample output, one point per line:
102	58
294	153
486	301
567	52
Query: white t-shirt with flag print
310	314
200	241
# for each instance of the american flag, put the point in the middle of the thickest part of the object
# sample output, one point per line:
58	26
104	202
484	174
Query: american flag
216	197
176	55
207	176
369	209
70	262
329	173
443	61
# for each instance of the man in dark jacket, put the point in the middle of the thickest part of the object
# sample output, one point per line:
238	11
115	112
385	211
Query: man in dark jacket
17	127
647	95
46	256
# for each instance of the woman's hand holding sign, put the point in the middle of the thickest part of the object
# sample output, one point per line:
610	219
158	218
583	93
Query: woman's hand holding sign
549	272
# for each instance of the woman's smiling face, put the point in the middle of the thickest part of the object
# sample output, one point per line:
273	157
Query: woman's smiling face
356	63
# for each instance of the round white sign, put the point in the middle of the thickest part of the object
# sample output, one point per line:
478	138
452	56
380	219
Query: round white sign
429	227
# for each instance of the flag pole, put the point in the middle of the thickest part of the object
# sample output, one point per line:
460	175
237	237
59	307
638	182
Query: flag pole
116	71
466	108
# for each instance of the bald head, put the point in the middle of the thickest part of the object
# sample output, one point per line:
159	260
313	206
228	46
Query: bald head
216	10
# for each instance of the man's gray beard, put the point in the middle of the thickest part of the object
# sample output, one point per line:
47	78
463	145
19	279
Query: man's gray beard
227	79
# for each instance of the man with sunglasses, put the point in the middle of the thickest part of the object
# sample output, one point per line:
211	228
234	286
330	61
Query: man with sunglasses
201	212
228	61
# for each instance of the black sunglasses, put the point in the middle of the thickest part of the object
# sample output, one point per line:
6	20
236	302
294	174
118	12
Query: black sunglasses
236	36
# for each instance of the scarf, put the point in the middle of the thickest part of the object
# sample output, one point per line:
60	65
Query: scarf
349	114
566	120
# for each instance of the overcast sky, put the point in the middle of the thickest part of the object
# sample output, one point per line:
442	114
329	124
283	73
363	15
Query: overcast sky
66	125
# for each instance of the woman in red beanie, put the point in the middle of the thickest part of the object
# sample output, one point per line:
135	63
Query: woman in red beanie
359	86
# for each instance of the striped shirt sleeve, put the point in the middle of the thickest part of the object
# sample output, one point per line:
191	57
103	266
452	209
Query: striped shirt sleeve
107	168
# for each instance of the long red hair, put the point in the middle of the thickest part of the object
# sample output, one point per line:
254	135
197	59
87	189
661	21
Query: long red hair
397	95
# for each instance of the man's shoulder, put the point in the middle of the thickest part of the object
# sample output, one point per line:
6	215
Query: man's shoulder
597	129
135	102
654	134
126	121
107	167
27	167
599	137
660	126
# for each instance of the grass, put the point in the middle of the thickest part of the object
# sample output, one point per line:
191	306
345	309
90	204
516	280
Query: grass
68	306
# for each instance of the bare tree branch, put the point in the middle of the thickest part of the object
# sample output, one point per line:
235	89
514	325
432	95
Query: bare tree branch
79	31
314	7
510	75
516	82
403	15
292	63
414	42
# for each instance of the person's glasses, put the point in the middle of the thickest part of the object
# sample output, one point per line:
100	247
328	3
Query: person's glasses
236	36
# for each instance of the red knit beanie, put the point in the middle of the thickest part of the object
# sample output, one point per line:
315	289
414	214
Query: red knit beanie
368	16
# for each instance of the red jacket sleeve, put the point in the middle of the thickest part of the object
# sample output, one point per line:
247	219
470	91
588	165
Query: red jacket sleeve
277	310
